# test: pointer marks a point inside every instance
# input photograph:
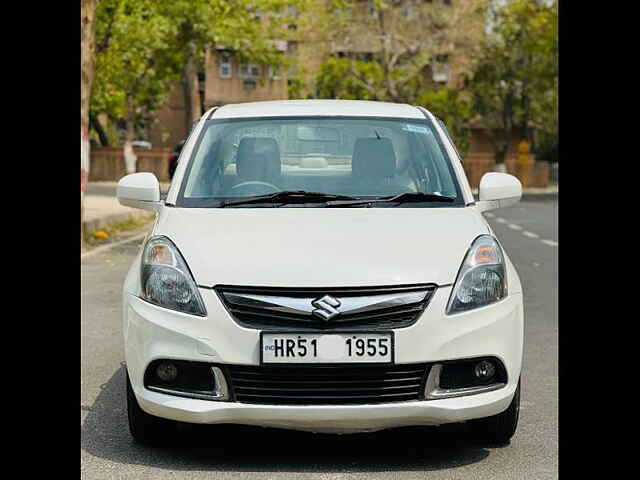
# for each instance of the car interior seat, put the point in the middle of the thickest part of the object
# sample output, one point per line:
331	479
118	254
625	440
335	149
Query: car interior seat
258	159
373	166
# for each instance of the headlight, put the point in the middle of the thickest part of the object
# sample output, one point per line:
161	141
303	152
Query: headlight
166	280
482	277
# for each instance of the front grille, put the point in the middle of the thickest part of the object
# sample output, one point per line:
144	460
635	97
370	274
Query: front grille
327	384
371	308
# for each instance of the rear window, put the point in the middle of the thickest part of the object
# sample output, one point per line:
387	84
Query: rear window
361	157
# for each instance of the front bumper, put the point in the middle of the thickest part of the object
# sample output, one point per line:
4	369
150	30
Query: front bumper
152	332
329	418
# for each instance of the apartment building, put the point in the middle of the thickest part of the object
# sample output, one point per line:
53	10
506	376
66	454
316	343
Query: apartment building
447	31
229	80
320	32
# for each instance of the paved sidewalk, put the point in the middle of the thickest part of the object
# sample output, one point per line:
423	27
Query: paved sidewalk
102	211
101	207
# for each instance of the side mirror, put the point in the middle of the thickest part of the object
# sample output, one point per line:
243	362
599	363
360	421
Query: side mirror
498	190
140	190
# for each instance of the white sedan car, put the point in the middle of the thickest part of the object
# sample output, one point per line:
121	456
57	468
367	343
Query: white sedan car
321	265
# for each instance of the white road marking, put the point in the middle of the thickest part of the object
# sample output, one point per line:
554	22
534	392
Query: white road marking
489	214
103	248
526	233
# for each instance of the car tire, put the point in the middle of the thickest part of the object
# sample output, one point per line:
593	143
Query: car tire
146	429
498	429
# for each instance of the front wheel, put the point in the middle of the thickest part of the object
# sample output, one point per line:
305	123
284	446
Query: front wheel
498	428
146	429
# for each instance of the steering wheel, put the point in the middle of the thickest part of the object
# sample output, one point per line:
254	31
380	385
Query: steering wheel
254	188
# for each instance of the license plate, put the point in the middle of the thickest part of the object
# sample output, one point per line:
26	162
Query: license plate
348	347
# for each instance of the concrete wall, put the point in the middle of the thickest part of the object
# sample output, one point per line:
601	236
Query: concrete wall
107	164
480	142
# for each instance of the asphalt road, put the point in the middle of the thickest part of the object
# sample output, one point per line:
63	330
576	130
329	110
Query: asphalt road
528	232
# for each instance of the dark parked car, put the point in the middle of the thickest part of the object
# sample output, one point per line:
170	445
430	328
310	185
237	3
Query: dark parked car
173	158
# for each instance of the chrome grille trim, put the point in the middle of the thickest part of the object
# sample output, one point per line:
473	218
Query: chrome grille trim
304	306
274	308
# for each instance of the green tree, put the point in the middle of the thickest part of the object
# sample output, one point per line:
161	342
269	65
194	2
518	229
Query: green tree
246	27
136	62
335	79
514	83
391	47
454	110
145	46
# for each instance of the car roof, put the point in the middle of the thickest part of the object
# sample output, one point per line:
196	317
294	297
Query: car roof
278	108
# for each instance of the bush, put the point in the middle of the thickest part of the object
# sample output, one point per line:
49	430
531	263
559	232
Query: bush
454	111
547	149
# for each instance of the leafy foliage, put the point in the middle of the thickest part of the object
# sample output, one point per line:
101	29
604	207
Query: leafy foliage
135	59
143	47
295	88
335	79
454	110
515	82
401	41
245	27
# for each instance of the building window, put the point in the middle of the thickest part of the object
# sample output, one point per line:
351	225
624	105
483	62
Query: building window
274	72
249	84
225	66
408	11
372	9
440	68
292	13
362	56
292	51
249	70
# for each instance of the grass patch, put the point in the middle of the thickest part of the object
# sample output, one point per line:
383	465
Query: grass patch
103	235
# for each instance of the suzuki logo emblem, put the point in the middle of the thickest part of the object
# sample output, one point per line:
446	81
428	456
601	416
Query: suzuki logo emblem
326	307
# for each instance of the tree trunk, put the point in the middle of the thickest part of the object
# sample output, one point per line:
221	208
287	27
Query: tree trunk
190	92
130	157
87	67
97	126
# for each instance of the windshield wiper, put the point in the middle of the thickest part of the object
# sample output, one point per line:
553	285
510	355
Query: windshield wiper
288	196
418	197
407	197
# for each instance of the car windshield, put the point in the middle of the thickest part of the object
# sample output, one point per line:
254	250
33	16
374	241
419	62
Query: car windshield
348	158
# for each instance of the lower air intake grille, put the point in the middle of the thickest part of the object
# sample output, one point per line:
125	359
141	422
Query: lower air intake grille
327	384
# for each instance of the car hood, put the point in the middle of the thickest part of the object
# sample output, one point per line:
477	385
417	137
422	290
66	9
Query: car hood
320	247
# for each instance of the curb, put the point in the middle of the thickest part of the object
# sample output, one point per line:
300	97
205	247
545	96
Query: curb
550	196
109	246
93	225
